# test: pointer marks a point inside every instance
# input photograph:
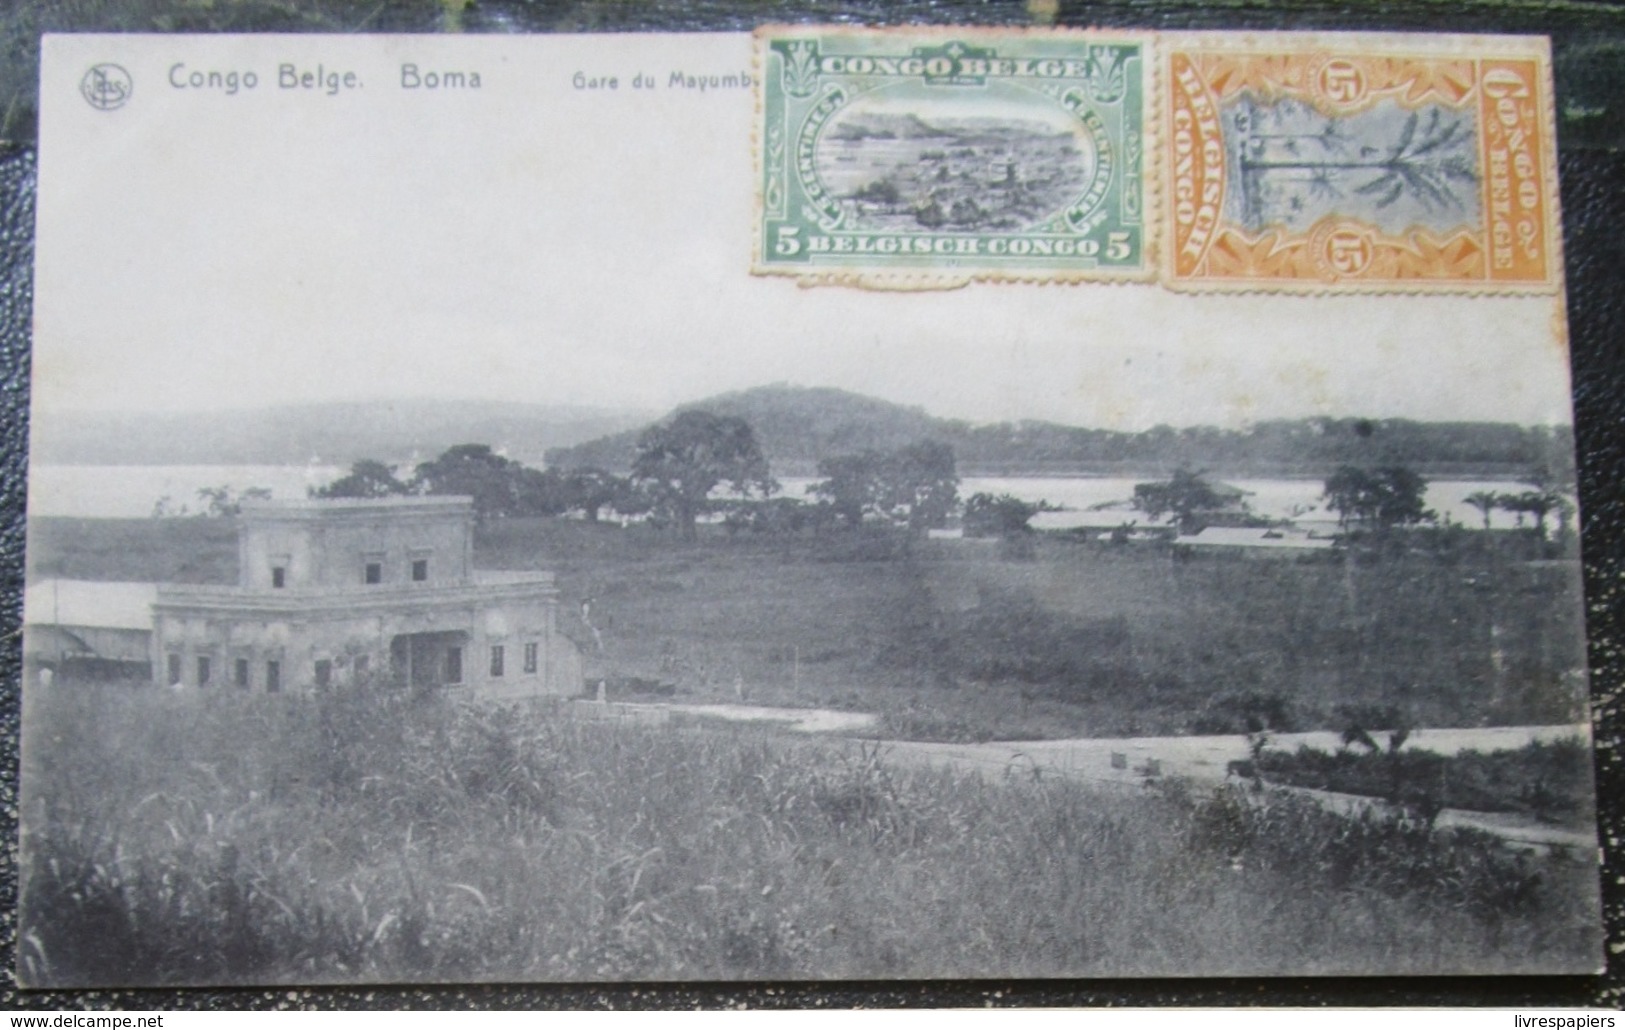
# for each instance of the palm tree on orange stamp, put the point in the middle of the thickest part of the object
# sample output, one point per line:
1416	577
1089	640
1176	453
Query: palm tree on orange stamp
1352	162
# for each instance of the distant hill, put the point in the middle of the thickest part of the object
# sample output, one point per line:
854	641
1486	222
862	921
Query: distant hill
334	433
886	126
795	425
799	426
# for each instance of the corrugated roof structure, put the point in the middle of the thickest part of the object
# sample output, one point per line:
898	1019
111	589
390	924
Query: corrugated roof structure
1232	536
79	602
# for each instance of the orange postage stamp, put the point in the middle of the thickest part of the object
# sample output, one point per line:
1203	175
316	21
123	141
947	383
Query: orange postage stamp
1359	162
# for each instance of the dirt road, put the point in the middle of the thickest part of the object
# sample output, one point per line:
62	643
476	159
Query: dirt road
1199	758
1130	762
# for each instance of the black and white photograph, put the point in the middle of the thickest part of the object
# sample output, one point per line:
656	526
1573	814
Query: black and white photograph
447	563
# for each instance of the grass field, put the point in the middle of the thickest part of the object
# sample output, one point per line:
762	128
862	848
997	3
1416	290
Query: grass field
964	641
958	641
369	835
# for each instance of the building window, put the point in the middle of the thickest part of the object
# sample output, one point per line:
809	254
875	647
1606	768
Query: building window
279	577
374	573
240	673
454	665
203	670
173	668
530	658
324	672
420	570
273	676
496	660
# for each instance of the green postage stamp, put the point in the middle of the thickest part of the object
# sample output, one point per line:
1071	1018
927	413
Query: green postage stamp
935	156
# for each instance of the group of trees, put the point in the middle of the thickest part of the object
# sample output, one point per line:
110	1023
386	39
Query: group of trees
680	467
1391	497
1370	499
915	486
212	502
1537	504
681	461
1186	495
1382	498
500	486
1001	515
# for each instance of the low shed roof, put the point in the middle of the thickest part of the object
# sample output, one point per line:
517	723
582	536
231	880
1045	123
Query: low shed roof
78	602
1095	518
1228	536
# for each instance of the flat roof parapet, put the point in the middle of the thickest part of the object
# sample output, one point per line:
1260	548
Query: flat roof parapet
306	507
481	579
352	601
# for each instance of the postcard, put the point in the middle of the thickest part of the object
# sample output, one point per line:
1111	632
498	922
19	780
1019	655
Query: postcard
531	509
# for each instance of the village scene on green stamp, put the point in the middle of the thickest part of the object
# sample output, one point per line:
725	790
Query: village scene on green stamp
898	171
924	151
497	612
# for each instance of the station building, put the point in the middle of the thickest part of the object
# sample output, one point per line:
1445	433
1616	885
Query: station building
334	591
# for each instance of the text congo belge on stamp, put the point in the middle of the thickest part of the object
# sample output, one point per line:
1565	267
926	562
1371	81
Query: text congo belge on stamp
936	156
1358	162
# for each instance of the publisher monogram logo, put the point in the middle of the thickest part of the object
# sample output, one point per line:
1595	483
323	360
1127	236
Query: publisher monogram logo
106	87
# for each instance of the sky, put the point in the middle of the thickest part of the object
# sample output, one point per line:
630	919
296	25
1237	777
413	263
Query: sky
532	241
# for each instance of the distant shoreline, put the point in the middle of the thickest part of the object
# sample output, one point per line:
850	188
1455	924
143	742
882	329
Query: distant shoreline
803	468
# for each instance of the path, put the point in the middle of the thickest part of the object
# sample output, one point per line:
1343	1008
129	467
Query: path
1130	761
1203	760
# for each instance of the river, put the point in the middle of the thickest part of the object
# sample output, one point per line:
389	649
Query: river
132	491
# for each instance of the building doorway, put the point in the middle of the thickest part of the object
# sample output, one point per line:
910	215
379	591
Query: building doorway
423	660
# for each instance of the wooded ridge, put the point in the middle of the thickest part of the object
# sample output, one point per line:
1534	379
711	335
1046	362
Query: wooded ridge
799	426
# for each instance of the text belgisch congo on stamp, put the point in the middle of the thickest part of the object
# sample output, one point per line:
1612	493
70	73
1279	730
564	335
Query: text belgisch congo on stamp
930	157
1387	162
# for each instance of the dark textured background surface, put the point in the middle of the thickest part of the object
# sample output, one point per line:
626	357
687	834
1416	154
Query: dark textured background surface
1589	46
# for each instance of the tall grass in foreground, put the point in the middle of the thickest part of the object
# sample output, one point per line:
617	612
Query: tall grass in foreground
372	836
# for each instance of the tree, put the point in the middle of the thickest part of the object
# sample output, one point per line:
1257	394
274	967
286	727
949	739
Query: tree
1485	501
852	485
224	502
633	498
1185	494
367	478
1310	159
1002	515
1565	513
589	490
1381	499
774	515
915	486
1554	482
1351	492
536	492
681	461
920	485
883	192
1536	503
499	486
